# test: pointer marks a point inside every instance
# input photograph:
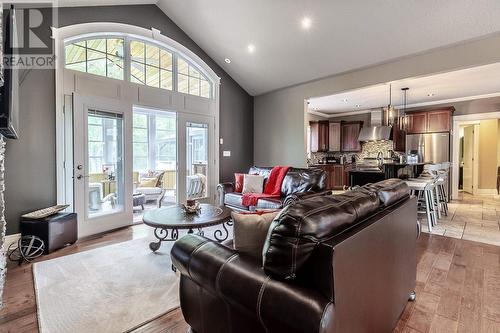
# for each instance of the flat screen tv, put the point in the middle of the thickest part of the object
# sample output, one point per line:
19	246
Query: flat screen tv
9	101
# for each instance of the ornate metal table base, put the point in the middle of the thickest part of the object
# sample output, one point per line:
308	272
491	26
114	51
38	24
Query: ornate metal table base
222	234
163	235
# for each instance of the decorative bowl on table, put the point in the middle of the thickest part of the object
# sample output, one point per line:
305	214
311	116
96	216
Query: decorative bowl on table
191	207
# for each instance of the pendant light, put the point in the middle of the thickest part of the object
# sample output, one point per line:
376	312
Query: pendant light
402	117
389	112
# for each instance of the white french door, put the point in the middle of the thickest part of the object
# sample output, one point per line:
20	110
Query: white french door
196	157
102	163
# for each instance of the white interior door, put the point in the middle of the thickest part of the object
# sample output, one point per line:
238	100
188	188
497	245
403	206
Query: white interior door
468	160
102	163
196	157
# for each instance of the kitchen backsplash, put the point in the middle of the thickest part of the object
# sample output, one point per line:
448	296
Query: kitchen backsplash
368	149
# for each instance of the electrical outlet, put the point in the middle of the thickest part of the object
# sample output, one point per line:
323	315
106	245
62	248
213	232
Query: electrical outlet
226	153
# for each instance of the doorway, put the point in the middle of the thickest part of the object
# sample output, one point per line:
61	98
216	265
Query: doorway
468	158
102	164
475	169
171	158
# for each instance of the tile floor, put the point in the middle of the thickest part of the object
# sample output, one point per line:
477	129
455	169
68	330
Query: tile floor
475	218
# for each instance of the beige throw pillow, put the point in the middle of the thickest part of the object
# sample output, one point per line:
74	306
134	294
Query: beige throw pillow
253	184
148	182
250	232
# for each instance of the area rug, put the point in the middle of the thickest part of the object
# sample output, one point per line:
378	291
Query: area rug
110	289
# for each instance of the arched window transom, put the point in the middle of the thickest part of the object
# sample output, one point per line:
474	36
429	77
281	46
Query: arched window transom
138	61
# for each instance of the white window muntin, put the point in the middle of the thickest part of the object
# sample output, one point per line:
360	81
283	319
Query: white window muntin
127	57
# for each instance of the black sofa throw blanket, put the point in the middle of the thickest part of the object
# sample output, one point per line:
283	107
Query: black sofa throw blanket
294	234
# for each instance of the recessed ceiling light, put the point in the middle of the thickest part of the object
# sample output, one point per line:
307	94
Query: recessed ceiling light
251	48
430	94
306	22
227	60
344	100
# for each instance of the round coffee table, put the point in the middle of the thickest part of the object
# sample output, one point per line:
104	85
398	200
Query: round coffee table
168	220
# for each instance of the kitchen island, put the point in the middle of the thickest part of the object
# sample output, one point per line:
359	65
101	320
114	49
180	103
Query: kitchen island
359	176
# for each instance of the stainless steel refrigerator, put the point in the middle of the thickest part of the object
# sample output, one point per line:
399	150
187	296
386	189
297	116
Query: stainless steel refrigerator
430	148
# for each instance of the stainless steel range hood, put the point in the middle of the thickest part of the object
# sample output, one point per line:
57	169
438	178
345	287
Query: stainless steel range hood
377	131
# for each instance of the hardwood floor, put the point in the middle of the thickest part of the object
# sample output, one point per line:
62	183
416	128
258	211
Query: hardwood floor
458	288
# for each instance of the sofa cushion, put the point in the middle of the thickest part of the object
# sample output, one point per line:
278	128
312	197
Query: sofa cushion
269	203
389	191
250	231
149	190
302	225
233	199
303	180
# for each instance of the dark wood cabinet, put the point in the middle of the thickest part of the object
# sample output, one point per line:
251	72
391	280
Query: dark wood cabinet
429	121
416	123
319	136
399	136
439	121
337	175
346	178
349	136
334	136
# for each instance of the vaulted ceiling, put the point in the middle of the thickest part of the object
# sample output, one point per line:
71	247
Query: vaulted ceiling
343	35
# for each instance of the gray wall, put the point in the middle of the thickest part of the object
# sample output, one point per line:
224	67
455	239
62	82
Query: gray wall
30	161
279	115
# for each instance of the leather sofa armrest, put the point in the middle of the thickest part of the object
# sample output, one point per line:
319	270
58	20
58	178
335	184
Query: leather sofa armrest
244	284
222	189
200	259
295	197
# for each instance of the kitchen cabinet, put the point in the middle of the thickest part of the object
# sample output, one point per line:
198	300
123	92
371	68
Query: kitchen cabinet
399	136
439	121
334	136
336	175
346	178
349	136
319	135
429	121
416	123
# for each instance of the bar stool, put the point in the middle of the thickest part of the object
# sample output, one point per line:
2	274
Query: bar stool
424	190
439	172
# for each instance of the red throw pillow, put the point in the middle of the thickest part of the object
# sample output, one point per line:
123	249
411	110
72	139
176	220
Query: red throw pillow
238	182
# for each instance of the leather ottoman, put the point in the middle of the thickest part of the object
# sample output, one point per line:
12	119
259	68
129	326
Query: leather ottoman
56	231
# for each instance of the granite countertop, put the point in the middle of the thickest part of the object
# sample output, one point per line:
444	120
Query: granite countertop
366	171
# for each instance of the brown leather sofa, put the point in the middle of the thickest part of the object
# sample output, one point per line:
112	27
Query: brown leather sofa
344	263
298	183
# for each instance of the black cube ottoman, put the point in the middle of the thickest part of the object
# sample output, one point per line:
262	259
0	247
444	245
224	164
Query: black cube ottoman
56	231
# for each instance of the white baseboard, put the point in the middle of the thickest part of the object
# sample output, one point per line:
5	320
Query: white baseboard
9	239
486	191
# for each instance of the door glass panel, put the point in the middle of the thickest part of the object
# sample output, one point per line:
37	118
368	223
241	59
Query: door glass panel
155	159
105	182
196	160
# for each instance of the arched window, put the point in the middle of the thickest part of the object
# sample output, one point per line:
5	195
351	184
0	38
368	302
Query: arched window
137	61
99	56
